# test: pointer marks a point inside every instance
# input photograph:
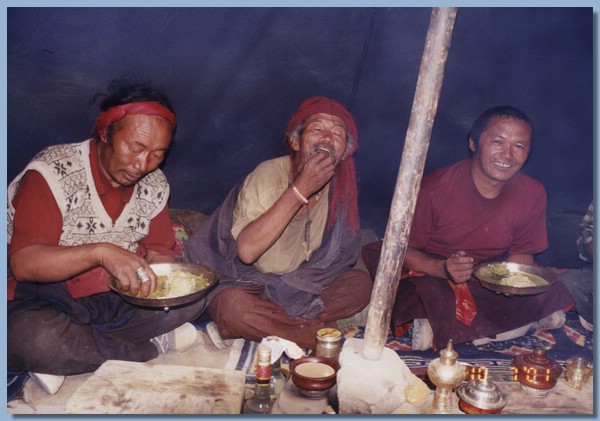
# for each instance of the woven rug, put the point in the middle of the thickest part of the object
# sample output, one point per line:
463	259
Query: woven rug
496	357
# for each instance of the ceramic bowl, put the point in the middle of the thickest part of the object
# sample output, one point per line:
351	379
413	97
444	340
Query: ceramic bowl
314	374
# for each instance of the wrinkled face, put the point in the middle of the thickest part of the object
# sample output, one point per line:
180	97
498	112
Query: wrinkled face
137	146
322	133
503	149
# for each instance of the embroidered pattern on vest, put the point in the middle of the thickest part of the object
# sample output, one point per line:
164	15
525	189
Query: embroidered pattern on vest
67	170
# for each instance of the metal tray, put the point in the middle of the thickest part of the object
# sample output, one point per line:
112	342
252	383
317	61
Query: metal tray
164	269
542	277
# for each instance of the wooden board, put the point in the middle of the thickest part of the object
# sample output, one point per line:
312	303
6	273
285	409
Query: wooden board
561	399
123	387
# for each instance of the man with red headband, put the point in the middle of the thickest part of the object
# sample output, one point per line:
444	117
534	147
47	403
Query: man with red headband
285	239
78	214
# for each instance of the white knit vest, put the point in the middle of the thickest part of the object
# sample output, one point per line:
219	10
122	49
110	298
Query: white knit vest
66	169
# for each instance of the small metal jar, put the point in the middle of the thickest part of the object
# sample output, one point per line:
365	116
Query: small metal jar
536	372
328	343
481	396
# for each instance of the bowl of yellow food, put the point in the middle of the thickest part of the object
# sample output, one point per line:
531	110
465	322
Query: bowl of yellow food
314	376
176	284
515	278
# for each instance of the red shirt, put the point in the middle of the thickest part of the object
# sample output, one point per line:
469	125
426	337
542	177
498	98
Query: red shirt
452	215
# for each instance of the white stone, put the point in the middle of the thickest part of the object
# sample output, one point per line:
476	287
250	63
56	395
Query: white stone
377	386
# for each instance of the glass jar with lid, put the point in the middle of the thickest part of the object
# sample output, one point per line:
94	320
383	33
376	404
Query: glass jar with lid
329	343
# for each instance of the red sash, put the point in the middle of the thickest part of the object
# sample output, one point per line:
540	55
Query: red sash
466	310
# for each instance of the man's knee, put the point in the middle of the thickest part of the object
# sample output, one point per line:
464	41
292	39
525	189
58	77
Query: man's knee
34	326
31	334
365	280
358	284
227	305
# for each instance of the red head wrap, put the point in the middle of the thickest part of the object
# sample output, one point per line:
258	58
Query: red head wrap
114	114
320	104
344	194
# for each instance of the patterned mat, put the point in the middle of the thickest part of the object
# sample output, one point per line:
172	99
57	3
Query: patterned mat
496	357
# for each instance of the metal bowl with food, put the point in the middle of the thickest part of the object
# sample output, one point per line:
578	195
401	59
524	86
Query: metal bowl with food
177	284
514	278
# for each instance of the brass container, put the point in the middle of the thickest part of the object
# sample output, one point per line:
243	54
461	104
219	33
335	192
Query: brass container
446	374
536	372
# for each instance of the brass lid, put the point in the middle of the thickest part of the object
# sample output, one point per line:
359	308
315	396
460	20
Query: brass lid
448	356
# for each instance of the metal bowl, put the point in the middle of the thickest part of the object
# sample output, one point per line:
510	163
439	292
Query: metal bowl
542	277
164	270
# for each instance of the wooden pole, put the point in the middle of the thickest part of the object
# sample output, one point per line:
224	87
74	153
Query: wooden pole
425	102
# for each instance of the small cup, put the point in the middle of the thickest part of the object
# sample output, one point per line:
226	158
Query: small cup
579	371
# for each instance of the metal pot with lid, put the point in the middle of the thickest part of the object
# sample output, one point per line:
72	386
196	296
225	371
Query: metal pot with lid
536	372
481	396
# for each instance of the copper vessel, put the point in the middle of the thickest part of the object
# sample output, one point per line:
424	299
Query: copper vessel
536	372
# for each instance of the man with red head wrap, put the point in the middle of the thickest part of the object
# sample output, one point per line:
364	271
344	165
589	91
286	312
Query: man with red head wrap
78	214
286	238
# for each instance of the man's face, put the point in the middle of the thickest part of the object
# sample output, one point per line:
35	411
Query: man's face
138	146
503	149
323	133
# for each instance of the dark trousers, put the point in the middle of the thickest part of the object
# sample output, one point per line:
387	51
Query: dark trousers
52	333
581	286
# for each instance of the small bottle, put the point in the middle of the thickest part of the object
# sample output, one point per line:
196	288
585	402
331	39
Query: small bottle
261	402
277	379
328	343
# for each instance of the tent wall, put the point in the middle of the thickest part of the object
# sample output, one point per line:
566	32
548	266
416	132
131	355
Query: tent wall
235	75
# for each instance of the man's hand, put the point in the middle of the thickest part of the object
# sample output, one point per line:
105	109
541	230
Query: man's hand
124	265
459	267
44	263
315	173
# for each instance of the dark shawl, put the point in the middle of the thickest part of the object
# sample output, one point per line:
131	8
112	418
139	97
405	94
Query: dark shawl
298	292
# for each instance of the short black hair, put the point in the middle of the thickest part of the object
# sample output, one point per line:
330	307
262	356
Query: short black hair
122	91
506	111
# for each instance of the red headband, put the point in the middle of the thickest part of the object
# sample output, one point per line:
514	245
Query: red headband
114	114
